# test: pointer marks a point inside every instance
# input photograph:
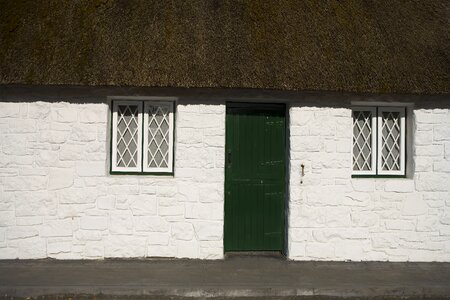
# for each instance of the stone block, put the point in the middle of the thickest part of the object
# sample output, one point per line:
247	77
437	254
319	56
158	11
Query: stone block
297	250
83	133
31	248
214	141
57	228
88	235
58	245
399	185
21	232
70	152
211	193
151	224
28	183
354	199
441	132
188	191
363	185
403	225
64	113
16	144
320	251
173	210
299	234
384	240
9	110
106	202
7	218
53	136
414	205
429	150
94	114
442	166
427	116
127	246
78	195
121	222
91	169
158	238
161	251
182	231
39	203
143	205
22	126
94	250
28	221
60	179
365	219
38	110
447	150
350	250
423	137
423	164
433	182
187	249
93	223
208	231
211	253
204	211
426	223
325	235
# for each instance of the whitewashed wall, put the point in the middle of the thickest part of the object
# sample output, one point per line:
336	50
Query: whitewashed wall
335	217
58	200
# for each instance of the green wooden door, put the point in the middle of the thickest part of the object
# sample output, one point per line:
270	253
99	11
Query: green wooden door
255	177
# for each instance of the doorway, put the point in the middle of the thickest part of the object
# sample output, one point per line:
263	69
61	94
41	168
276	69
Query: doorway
255	171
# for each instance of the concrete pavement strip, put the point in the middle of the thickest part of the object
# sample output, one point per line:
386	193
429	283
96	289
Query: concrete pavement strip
235	277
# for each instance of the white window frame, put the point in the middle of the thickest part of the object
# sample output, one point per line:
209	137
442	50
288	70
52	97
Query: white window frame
377	140
400	110
373	111
114	166
169	168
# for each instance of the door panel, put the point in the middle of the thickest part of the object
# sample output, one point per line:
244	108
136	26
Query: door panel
255	177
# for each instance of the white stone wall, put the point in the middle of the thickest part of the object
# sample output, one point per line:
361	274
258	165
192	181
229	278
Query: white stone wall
58	200
335	217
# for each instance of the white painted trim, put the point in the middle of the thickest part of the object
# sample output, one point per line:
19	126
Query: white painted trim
114	167
169	169
401	110
373	111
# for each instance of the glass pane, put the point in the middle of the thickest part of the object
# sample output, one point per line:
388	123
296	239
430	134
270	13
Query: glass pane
158	136
362	140
390	141
127	135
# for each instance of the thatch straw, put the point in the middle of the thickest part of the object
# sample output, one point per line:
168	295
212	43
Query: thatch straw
361	46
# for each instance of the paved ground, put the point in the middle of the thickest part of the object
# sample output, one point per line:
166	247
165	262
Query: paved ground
265	277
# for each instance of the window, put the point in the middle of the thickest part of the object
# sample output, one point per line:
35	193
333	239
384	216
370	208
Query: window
142	137
379	140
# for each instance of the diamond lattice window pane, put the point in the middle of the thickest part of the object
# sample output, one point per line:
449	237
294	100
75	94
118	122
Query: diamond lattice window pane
390	141
362	141
127	136
159	135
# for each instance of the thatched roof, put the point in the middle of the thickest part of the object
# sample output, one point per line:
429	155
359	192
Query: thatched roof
355	45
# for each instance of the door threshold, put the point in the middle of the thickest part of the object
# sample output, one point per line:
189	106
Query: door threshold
272	254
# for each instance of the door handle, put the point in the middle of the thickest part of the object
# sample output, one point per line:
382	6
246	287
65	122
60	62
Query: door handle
229	158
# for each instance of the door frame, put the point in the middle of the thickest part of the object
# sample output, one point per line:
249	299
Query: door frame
228	104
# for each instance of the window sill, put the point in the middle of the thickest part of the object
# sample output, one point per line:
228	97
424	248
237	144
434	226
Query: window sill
168	174
379	176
